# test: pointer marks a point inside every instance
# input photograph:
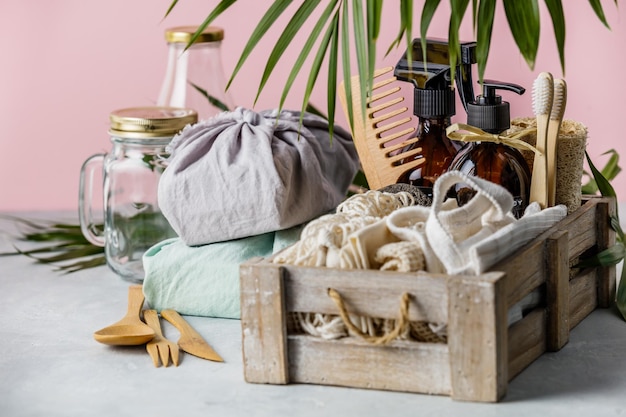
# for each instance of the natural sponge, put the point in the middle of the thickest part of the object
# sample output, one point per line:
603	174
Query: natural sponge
570	156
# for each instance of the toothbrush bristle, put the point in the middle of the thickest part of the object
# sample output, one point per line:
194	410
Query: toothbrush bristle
558	105
542	95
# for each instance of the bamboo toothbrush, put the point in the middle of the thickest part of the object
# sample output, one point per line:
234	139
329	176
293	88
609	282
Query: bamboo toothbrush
542	107
556	117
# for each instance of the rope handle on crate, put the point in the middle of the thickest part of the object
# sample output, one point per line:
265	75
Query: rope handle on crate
400	327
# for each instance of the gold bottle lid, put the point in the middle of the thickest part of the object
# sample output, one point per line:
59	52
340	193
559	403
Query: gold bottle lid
183	34
150	122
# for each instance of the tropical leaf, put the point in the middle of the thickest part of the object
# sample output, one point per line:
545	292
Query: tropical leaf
219	9
293	27
269	18
486	13
214	101
608	257
458	9
345	62
306	49
597	8
523	18
613	253
475	6
555	7
428	11
605	187
374	15
317	61
331	95
610	171
361	50
169	9
396	41
408	28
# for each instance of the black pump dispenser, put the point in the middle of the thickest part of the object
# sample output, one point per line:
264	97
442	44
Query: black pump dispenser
488	112
495	162
434	103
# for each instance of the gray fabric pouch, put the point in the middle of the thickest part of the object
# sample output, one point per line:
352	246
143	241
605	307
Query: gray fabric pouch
244	173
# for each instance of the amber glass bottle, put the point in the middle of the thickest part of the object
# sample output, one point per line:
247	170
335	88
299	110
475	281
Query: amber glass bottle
437	152
497	163
433	109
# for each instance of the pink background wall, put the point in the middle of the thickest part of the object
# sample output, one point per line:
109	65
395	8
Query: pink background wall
65	64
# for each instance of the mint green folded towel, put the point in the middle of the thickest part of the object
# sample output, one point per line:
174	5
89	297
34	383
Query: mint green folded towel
204	280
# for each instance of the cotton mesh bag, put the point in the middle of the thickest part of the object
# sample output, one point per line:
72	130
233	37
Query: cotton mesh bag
243	173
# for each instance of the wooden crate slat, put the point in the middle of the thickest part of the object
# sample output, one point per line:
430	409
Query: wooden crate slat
606	238
527	341
367	292
263	323
557	290
400	366
477	337
583	296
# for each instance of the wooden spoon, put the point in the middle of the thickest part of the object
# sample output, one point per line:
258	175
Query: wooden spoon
130	330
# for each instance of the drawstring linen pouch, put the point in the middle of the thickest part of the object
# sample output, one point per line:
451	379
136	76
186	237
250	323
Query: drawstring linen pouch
244	173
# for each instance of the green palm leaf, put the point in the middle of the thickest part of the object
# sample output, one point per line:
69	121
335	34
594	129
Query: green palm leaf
610	254
610	171
219	9
315	33
428	11
293	27
597	8
555	7
169	10
345	62
317	61
458	9
361	50
405	21
374	14
269	18
523	18
486	13
331	96
214	101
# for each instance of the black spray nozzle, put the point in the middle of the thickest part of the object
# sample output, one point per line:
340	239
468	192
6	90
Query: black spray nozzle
488	112
463	78
429	69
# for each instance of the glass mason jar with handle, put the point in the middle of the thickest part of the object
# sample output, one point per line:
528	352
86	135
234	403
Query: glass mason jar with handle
131	171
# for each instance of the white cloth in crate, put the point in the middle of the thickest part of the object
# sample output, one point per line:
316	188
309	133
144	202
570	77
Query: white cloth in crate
244	173
472	238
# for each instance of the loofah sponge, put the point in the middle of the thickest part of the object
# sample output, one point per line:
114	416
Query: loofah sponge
570	156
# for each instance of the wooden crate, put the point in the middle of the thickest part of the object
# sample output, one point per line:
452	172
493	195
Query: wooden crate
482	352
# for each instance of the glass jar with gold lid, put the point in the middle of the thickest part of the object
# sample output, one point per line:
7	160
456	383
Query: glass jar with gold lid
130	174
195	77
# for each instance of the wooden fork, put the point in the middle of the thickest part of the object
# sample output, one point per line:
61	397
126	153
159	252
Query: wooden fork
159	347
383	162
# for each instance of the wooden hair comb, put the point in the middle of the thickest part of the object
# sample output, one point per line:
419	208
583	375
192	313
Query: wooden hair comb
383	162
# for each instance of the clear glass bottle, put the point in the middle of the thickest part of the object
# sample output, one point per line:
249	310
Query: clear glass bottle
195	77
131	171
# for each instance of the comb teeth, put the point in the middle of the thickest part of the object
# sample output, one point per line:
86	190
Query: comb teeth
560	97
382	134
542	94
386	121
